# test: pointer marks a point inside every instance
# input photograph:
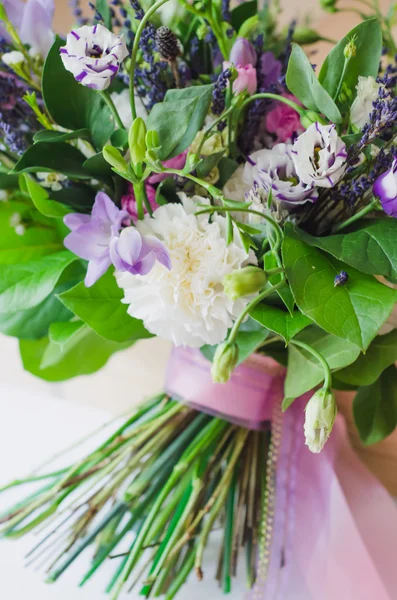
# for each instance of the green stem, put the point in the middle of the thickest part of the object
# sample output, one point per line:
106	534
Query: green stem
139	192
321	360
233	333
211	127
342	77
108	99
135	49
367	209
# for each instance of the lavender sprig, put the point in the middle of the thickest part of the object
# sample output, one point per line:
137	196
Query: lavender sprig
218	95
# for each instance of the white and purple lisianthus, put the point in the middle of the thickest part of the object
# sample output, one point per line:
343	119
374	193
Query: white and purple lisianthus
94	55
385	188
97	238
319	156
274	171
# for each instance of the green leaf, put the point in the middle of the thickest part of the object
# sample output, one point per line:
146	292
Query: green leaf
101	308
119	138
34	322
8	182
39	197
381	353
103	8
47	156
354	311
50	135
279	321
302	82
98	167
227	166
63	337
23	286
375	408
304	371
270	262
90	354
370	249
178	119
368	41
80	197
71	104
208	163
243	12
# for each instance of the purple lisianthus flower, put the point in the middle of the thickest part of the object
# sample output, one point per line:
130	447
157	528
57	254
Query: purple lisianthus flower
385	188
33	21
135	254
274	171
93	55
270	69
243	53
91	235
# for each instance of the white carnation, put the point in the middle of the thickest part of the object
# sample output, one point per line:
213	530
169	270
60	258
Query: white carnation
187	304
367	93
123	106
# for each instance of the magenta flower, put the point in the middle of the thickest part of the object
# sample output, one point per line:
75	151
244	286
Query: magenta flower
385	188
178	162
132	253
128	201
33	20
284	121
243	53
91	235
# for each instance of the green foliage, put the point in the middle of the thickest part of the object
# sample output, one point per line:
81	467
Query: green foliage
242	12
250	336
302	82
40	196
280	321
71	104
354	311
375	408
83	355
304	371
103	8
381	353
371	248
53	156
367	38
101	308
51	135
179	118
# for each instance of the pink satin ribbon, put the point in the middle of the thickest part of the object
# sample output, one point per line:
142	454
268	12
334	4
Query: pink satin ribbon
335	527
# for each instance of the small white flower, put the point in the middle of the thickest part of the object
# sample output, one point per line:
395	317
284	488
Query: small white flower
13	59
15	219
367	92
20	229
93	55
187	304
320	414
123	106
51	180
320	156
34	53
3	196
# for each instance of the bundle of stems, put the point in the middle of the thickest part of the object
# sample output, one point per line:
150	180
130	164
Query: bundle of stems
148	498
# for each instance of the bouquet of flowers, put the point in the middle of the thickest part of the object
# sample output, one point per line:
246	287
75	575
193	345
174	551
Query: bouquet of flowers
182	170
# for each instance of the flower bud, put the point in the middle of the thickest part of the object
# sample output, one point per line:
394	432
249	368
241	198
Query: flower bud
152	140
350	50
225	360
114	157
306	35
244	282
320	413
137	141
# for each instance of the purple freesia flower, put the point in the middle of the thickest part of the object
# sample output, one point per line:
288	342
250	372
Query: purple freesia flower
270	69
243	53
136	254
385	188
91	235
33	20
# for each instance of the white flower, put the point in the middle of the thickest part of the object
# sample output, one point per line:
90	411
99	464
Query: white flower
320	156
187	304
123	106
367	92
15	219
51	180
320	414
13	59
236	187
3	196
217	142
93	55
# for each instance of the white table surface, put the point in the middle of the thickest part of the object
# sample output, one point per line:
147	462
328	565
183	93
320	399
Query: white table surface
34	426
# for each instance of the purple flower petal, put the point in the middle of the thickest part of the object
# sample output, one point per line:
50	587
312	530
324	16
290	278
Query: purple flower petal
76	220
159	250
97	268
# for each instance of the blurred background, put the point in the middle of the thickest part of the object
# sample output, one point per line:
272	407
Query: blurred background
138	372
